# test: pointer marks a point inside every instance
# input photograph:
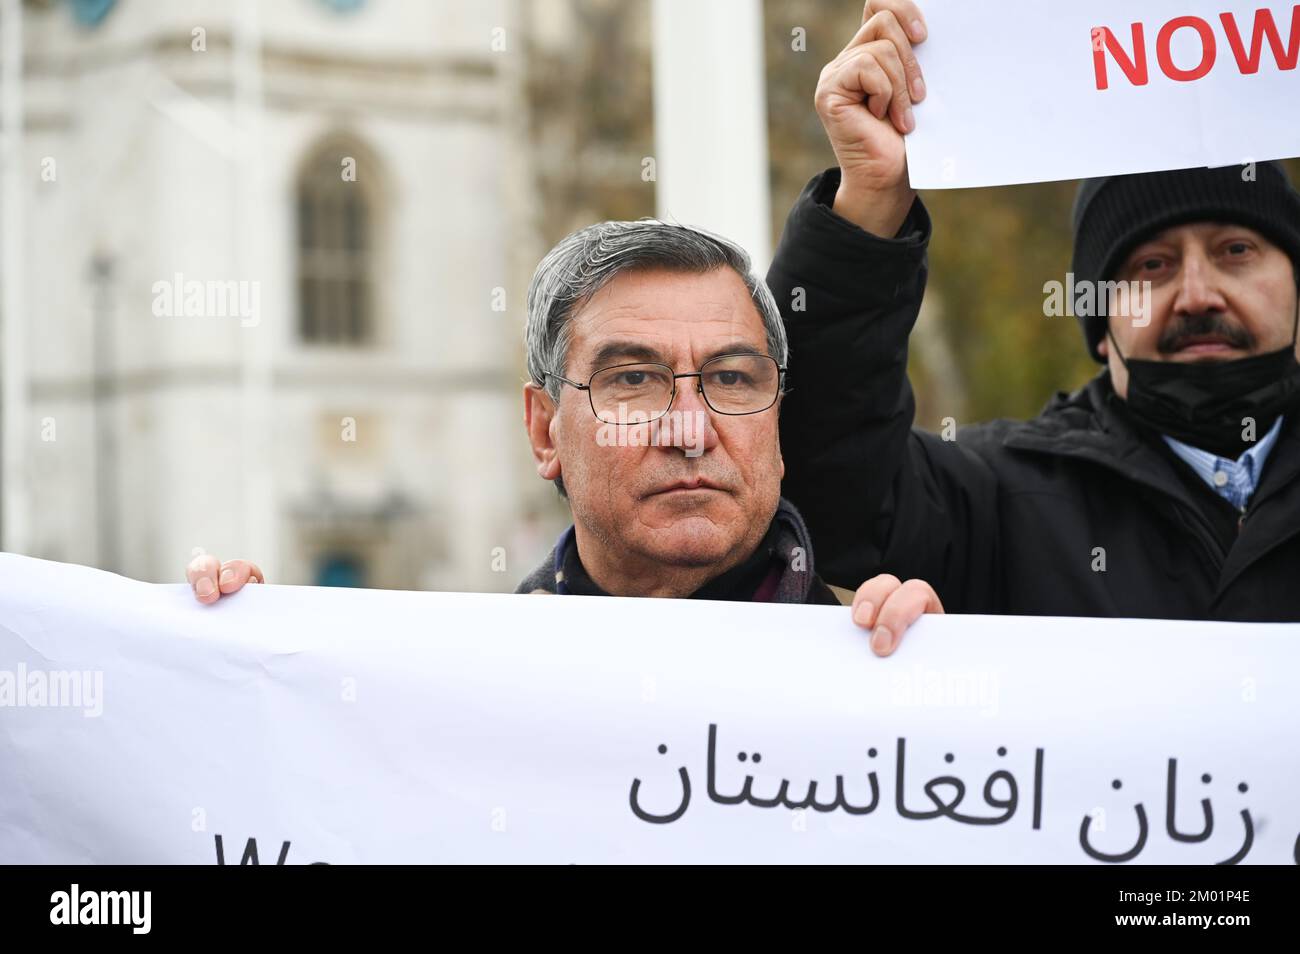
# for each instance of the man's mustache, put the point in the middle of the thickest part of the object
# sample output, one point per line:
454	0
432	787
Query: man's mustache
1181	328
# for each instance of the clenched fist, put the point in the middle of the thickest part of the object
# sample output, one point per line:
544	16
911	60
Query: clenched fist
864	100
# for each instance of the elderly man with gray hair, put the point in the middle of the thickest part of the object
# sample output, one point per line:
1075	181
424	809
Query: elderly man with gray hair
657	361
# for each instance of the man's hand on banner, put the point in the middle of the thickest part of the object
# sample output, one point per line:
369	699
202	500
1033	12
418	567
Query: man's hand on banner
212	579
887	606
864	100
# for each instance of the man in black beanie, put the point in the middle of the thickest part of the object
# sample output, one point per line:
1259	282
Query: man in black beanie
1168	486
1213	365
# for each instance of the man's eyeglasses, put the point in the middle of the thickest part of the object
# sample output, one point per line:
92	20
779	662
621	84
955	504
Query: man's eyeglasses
733	384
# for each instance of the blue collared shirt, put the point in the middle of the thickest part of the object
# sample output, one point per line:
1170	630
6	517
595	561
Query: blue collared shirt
1233	480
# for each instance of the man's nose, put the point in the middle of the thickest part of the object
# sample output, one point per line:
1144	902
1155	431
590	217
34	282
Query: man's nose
689	423
1198	291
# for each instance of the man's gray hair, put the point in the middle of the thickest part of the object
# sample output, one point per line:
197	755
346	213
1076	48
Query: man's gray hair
589	259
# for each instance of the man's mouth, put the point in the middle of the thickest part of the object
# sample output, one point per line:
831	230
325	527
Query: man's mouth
1204	345
693	485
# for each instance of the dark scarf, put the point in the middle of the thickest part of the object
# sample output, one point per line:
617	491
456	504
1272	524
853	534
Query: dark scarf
740	583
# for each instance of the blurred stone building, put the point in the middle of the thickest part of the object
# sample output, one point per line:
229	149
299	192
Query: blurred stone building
273	260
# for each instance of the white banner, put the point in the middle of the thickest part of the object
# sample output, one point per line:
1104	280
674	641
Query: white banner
1027	91
298	725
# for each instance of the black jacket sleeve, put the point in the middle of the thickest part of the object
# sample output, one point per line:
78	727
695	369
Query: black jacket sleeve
878	496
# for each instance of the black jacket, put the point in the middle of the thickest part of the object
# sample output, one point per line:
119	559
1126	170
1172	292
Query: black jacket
1078	512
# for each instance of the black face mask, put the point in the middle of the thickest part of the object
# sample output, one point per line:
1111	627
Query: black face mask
1205	404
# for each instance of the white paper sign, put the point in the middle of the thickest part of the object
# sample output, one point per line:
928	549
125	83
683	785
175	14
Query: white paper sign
318	725
1027	91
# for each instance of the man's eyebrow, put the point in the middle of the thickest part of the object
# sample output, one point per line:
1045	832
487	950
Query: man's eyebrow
636	351
735	347
613	351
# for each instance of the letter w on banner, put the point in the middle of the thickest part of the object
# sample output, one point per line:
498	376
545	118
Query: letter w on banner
1027	91
290	725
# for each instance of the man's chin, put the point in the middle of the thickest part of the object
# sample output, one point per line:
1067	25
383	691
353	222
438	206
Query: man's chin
692	541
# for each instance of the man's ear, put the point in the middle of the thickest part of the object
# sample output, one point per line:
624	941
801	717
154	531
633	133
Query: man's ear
539	412
1103	347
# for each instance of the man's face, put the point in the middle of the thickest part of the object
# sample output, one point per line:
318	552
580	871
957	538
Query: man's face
1219	292
697	495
